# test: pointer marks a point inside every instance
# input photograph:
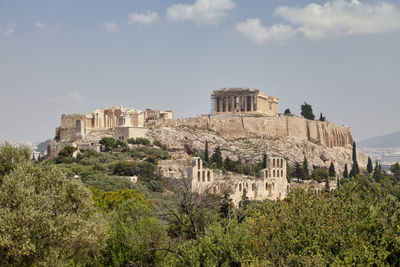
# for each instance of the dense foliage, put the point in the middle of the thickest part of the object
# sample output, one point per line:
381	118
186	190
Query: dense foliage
48	217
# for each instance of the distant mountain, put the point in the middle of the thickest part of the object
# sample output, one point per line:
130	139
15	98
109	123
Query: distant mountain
385	141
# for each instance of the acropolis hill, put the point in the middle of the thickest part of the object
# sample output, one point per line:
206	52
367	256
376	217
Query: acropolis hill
240	116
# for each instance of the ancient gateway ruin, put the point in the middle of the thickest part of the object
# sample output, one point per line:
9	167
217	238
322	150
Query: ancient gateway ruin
243	101
272	183
124	122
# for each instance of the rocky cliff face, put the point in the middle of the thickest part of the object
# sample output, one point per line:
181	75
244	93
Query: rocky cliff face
251	149
233	127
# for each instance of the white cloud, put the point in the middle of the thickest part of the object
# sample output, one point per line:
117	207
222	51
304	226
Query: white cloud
336	18
253	30
110	26
70	97
143	18
201	11
8	29
41	25
341	17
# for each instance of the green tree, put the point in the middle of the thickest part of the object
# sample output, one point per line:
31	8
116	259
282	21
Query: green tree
225	208
370	168
11	156
136	236
206	153
229	164
67	151
354	157
46	218
306	172
217	158
298	171
346	171
307	111
332	171
322	118
377	175
108	142
319	174
264	161
328	227
244	201
327	184
287	112
395	169
125	168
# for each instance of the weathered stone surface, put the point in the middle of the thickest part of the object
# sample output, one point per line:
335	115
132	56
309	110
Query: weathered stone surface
232	127
251	149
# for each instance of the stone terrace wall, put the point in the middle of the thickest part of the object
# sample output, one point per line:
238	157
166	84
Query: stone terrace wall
235	126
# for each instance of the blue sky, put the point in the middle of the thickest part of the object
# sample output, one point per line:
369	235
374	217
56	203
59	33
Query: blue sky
57	57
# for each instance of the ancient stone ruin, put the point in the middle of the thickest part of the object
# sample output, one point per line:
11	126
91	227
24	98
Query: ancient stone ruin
272	183
243	101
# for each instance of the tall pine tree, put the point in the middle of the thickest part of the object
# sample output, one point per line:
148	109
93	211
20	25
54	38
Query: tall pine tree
346	171
332	171
370	168
306	172
217	158
264	162
355	169
206	157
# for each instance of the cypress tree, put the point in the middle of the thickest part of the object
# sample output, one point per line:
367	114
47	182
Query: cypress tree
377	172
306	172
298	171
370	169
264	162
332	171
217	157
322	118
355	169
346	171
206	158
354	158
327	184
225	208
244	202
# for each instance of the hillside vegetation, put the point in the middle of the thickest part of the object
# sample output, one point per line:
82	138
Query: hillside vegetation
84	211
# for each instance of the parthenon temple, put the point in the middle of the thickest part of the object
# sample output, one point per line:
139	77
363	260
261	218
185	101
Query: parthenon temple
244	100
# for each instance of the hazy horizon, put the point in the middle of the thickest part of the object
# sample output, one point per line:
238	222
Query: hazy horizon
66	57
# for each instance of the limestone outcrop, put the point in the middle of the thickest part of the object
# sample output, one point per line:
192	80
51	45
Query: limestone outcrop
251	149
233	127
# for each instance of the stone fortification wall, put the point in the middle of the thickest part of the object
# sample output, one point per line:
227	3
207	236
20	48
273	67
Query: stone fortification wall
234	127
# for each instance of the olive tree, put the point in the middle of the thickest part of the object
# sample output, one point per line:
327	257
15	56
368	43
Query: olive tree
46	218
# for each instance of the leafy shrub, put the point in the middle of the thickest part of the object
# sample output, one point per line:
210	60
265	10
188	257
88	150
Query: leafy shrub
139	141
160	145
107	183
108	142
319	174
125	168
67	151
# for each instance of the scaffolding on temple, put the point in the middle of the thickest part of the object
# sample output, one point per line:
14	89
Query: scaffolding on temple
212	104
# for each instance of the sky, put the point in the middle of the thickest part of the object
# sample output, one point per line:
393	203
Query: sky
59	56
